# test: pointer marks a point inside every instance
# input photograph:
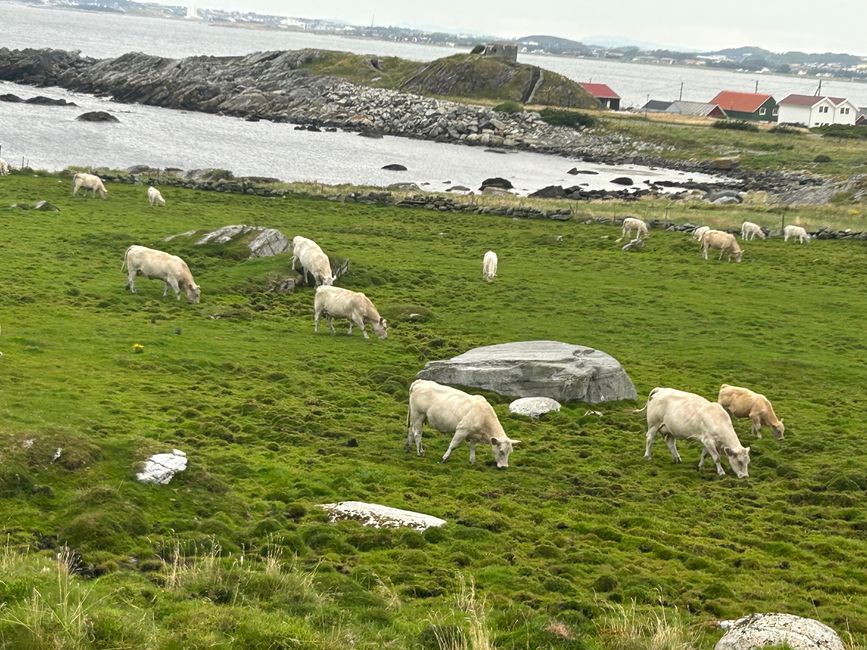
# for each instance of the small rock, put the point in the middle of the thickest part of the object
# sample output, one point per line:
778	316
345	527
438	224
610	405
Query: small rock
622	180
501	183
161	468
378	516
97	116
760	630
395	167
352	442
45	206
534	406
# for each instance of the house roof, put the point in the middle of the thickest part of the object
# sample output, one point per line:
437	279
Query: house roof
730	100
656	105
600	91
810	100
700	109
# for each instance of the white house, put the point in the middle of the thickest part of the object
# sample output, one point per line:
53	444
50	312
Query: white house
812	110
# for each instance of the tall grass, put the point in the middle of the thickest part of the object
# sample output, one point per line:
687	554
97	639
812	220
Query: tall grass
626	627
473	631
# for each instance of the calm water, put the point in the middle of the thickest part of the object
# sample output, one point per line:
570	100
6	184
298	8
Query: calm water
106	35
48	137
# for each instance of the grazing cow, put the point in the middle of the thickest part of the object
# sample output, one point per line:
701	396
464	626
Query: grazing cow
88	182
313	260
744	403
687	416
633	223
489	266
343	303
726	242
171	269
749	230
699	232
796	231
4	168
154	197
450	410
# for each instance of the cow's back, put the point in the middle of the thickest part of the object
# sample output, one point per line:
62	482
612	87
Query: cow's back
443	406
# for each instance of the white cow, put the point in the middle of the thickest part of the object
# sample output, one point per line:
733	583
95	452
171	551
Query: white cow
313	260
343	303
680	415
171	269
749	230
154	197
744	403
4	168
450	410
88	182
699	232
796	231
725	242
633	223
489	266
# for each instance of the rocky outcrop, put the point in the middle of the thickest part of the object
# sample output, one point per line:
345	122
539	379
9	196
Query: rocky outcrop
560	371
38	100
378	516
757	631
97	116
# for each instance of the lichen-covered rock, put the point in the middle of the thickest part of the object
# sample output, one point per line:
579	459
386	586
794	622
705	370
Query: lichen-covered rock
534	406
268	243
161	468
760	630
552	369
378	516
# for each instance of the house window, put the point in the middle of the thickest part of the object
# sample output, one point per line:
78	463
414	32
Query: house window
774	111
762	111
844	111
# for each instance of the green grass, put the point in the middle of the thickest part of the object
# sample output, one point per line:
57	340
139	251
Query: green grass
235	551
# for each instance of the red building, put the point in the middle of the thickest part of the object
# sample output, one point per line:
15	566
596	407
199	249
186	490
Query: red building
603	94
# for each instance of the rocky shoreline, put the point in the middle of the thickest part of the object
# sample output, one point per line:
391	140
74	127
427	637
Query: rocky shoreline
275	86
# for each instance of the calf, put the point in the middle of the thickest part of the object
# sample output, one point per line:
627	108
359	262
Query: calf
796	231
687	416
633	223
313	260
154	197
171	269
468	417
88	182
726	242
489	266
4	168
744	403
749	230
343	303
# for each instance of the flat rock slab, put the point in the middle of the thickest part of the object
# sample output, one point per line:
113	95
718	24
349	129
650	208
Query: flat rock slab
760	630
161	468
378	516
534	406
552	369
267	242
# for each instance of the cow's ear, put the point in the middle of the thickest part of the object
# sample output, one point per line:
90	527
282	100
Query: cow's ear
728	451
515	442
747	450
495	442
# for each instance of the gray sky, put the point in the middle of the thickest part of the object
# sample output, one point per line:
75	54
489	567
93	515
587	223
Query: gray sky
832	25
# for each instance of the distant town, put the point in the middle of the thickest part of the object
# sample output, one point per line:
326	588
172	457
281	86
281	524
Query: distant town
753	59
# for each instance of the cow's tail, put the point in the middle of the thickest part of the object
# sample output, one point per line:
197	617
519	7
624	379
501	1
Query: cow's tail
125	253
409	404
644	408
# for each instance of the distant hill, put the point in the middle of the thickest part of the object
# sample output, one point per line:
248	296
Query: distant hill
553	44
470	76
474	75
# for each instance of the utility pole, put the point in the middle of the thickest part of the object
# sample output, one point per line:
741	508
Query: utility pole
681	91
757	85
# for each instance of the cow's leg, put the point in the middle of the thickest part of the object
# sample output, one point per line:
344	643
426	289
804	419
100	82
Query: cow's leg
413	434
330	319
672	447
457	439
130	279
757	425
165	288
360	323
472	452
651	434
714	454
351	323
317	313
704	252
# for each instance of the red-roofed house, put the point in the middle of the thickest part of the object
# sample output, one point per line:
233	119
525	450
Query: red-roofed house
747	106
812	110
603	94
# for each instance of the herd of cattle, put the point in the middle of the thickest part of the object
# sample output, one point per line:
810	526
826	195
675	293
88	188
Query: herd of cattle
725	242
671	413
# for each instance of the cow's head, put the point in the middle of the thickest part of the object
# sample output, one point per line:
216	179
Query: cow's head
193	293
380	327
502	447
779	429
327	281
739	255
739	460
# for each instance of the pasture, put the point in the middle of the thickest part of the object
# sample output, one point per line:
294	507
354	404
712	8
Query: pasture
579	534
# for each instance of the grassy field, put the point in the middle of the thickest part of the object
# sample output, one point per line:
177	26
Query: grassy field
579	544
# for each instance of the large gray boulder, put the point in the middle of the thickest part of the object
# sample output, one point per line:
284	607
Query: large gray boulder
552	369
262	242
760	630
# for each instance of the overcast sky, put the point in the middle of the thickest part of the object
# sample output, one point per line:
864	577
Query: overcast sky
832	25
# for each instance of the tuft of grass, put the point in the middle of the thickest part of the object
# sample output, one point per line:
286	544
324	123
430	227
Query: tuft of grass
627	627
564	117
736	125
